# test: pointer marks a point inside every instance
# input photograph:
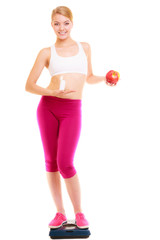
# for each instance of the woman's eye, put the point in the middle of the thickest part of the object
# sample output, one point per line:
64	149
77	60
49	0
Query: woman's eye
56	24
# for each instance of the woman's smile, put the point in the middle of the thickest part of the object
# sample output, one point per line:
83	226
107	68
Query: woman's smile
62	33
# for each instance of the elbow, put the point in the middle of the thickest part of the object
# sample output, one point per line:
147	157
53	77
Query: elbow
28	87
89	77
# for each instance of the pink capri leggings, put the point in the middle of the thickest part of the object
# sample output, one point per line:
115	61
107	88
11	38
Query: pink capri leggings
59	121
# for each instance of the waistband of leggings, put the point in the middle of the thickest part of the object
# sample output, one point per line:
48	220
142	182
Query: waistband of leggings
69	100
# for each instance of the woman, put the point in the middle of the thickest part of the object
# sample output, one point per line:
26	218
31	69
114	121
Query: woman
59	110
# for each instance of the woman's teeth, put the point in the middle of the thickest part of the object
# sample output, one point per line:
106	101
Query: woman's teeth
62	33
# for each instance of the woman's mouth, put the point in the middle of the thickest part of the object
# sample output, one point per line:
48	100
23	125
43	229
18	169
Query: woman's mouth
62	33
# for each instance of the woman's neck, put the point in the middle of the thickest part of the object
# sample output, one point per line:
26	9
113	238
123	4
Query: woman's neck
64	42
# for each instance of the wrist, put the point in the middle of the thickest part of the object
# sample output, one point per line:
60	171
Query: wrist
50	92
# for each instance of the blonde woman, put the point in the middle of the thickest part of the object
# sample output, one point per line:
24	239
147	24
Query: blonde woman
59	110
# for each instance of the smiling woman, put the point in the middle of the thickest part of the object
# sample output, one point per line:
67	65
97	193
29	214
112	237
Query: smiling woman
59	111
62	21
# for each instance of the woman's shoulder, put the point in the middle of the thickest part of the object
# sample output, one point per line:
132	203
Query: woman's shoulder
45	54
45	51
86	47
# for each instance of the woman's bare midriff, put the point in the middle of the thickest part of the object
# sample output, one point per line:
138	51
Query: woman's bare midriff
73	81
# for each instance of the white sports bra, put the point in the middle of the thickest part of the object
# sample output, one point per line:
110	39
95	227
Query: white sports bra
74	64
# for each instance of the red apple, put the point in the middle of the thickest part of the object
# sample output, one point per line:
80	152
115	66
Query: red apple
112	77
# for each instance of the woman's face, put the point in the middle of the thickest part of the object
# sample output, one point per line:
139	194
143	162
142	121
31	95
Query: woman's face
62	26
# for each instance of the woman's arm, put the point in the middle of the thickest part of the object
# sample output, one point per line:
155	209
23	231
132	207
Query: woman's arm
90	77
40	62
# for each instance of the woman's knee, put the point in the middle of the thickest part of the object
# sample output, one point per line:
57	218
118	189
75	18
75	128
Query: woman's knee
67	170
51	166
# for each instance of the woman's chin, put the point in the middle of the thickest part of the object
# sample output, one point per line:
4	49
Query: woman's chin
62	37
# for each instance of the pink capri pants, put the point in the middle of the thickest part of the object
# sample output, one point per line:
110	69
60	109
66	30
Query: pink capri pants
59	121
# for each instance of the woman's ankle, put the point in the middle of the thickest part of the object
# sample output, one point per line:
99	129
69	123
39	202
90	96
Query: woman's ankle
61	211
78	211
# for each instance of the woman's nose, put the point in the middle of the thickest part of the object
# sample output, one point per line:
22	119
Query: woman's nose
61	27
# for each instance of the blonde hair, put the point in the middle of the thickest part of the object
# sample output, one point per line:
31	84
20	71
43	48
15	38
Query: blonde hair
65	11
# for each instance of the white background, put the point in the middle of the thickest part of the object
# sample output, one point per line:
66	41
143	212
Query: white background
117	158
